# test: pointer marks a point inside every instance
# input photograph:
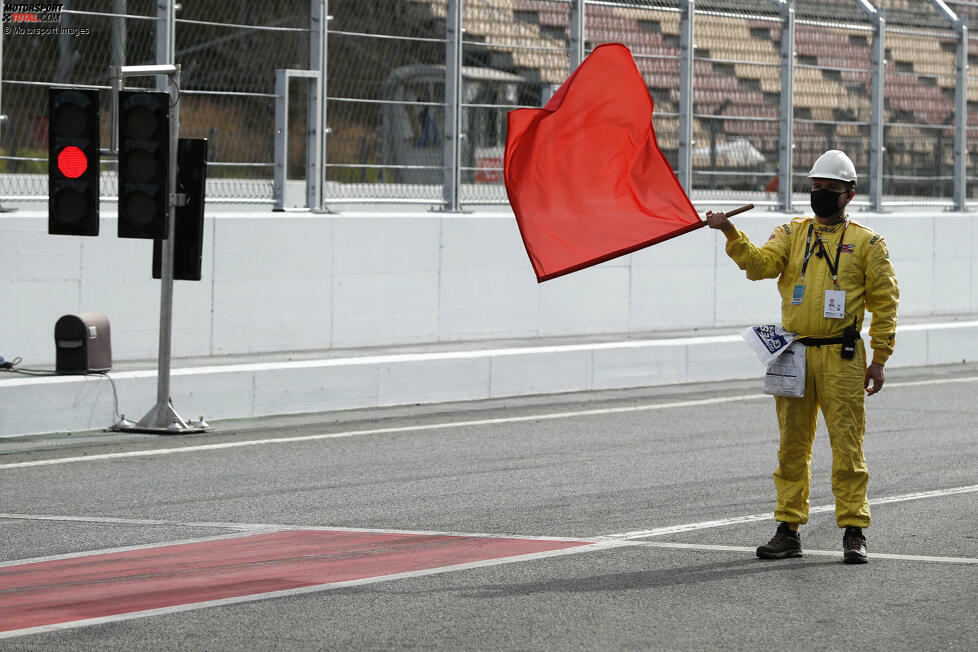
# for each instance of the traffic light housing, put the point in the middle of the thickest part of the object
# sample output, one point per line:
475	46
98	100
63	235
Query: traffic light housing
144	164
189	228
73	161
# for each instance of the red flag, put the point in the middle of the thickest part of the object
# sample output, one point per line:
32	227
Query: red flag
584	174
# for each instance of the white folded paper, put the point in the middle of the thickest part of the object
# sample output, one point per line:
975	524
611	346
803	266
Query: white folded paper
768	341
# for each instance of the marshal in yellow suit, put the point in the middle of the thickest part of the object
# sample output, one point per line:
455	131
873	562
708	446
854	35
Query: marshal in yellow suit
833	384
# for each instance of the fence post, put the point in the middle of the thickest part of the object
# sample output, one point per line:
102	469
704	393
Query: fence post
961	121
118	56
686	51
166	15
316	129
877	146
787	145
960	24
577	12
453	105
3	116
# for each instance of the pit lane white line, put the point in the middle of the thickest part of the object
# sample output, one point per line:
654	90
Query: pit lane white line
142	546
818	553
386	431
624	538
702	525
243	529
439	426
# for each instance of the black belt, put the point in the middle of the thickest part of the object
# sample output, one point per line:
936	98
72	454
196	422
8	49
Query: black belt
819	341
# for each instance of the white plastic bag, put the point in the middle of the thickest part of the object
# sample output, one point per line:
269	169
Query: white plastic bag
785	375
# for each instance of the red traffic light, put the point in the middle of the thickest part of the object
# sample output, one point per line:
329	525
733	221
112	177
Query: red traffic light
72	162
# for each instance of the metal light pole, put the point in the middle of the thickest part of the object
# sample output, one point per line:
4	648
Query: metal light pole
162	418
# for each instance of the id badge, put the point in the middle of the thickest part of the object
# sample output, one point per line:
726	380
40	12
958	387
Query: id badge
835	304
798	295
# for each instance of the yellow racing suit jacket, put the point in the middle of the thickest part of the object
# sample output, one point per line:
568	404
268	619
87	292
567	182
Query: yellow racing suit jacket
864	272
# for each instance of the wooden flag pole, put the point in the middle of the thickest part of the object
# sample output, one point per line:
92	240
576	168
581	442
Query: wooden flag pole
738	211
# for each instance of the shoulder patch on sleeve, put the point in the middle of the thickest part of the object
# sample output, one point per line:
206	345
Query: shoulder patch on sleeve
786	228
876	238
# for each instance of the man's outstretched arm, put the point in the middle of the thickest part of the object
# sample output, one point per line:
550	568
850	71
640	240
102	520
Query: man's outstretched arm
759	262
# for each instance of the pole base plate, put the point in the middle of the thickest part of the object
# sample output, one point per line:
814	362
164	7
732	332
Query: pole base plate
162	419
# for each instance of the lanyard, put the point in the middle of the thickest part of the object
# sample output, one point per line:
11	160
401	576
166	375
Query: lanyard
810	249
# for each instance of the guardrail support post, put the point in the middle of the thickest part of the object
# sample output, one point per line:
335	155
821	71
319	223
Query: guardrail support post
960	24
166	16
686	51
787	119
316	129
961	120
3	117
453	106
877	146
577	11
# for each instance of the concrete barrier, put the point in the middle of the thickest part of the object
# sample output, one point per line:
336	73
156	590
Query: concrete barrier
277	282
68	403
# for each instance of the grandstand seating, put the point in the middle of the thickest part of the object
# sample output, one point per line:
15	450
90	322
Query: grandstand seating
737	68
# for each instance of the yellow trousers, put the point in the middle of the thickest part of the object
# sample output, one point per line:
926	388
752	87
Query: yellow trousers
837	387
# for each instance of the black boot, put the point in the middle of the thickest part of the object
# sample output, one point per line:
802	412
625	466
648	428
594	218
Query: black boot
785	543
854	546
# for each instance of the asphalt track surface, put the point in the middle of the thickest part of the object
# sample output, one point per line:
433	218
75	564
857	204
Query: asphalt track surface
613	520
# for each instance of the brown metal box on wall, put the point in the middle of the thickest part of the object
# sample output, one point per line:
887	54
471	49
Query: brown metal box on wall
83	343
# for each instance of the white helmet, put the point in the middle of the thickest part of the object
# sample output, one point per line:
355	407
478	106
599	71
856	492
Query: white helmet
834	164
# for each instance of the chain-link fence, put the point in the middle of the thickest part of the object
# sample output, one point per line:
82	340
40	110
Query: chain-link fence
386	100
417	91
736	98
228	52
833	87
108	32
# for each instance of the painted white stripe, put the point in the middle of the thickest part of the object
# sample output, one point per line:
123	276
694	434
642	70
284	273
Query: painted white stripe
245	529
935	381
934	326
602	545
388	359
703	525
387	431
143	546
472	354
444	426
254	528
818	553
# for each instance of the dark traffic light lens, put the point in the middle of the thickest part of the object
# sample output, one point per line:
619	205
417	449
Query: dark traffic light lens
141	165
70	206
141	208
71	119
141	122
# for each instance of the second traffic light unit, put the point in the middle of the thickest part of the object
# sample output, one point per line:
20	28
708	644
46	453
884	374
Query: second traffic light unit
144	164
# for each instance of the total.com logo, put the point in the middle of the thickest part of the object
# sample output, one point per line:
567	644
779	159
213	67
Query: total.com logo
37	19
31	13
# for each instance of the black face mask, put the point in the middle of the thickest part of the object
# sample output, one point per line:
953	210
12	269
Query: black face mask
825	203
